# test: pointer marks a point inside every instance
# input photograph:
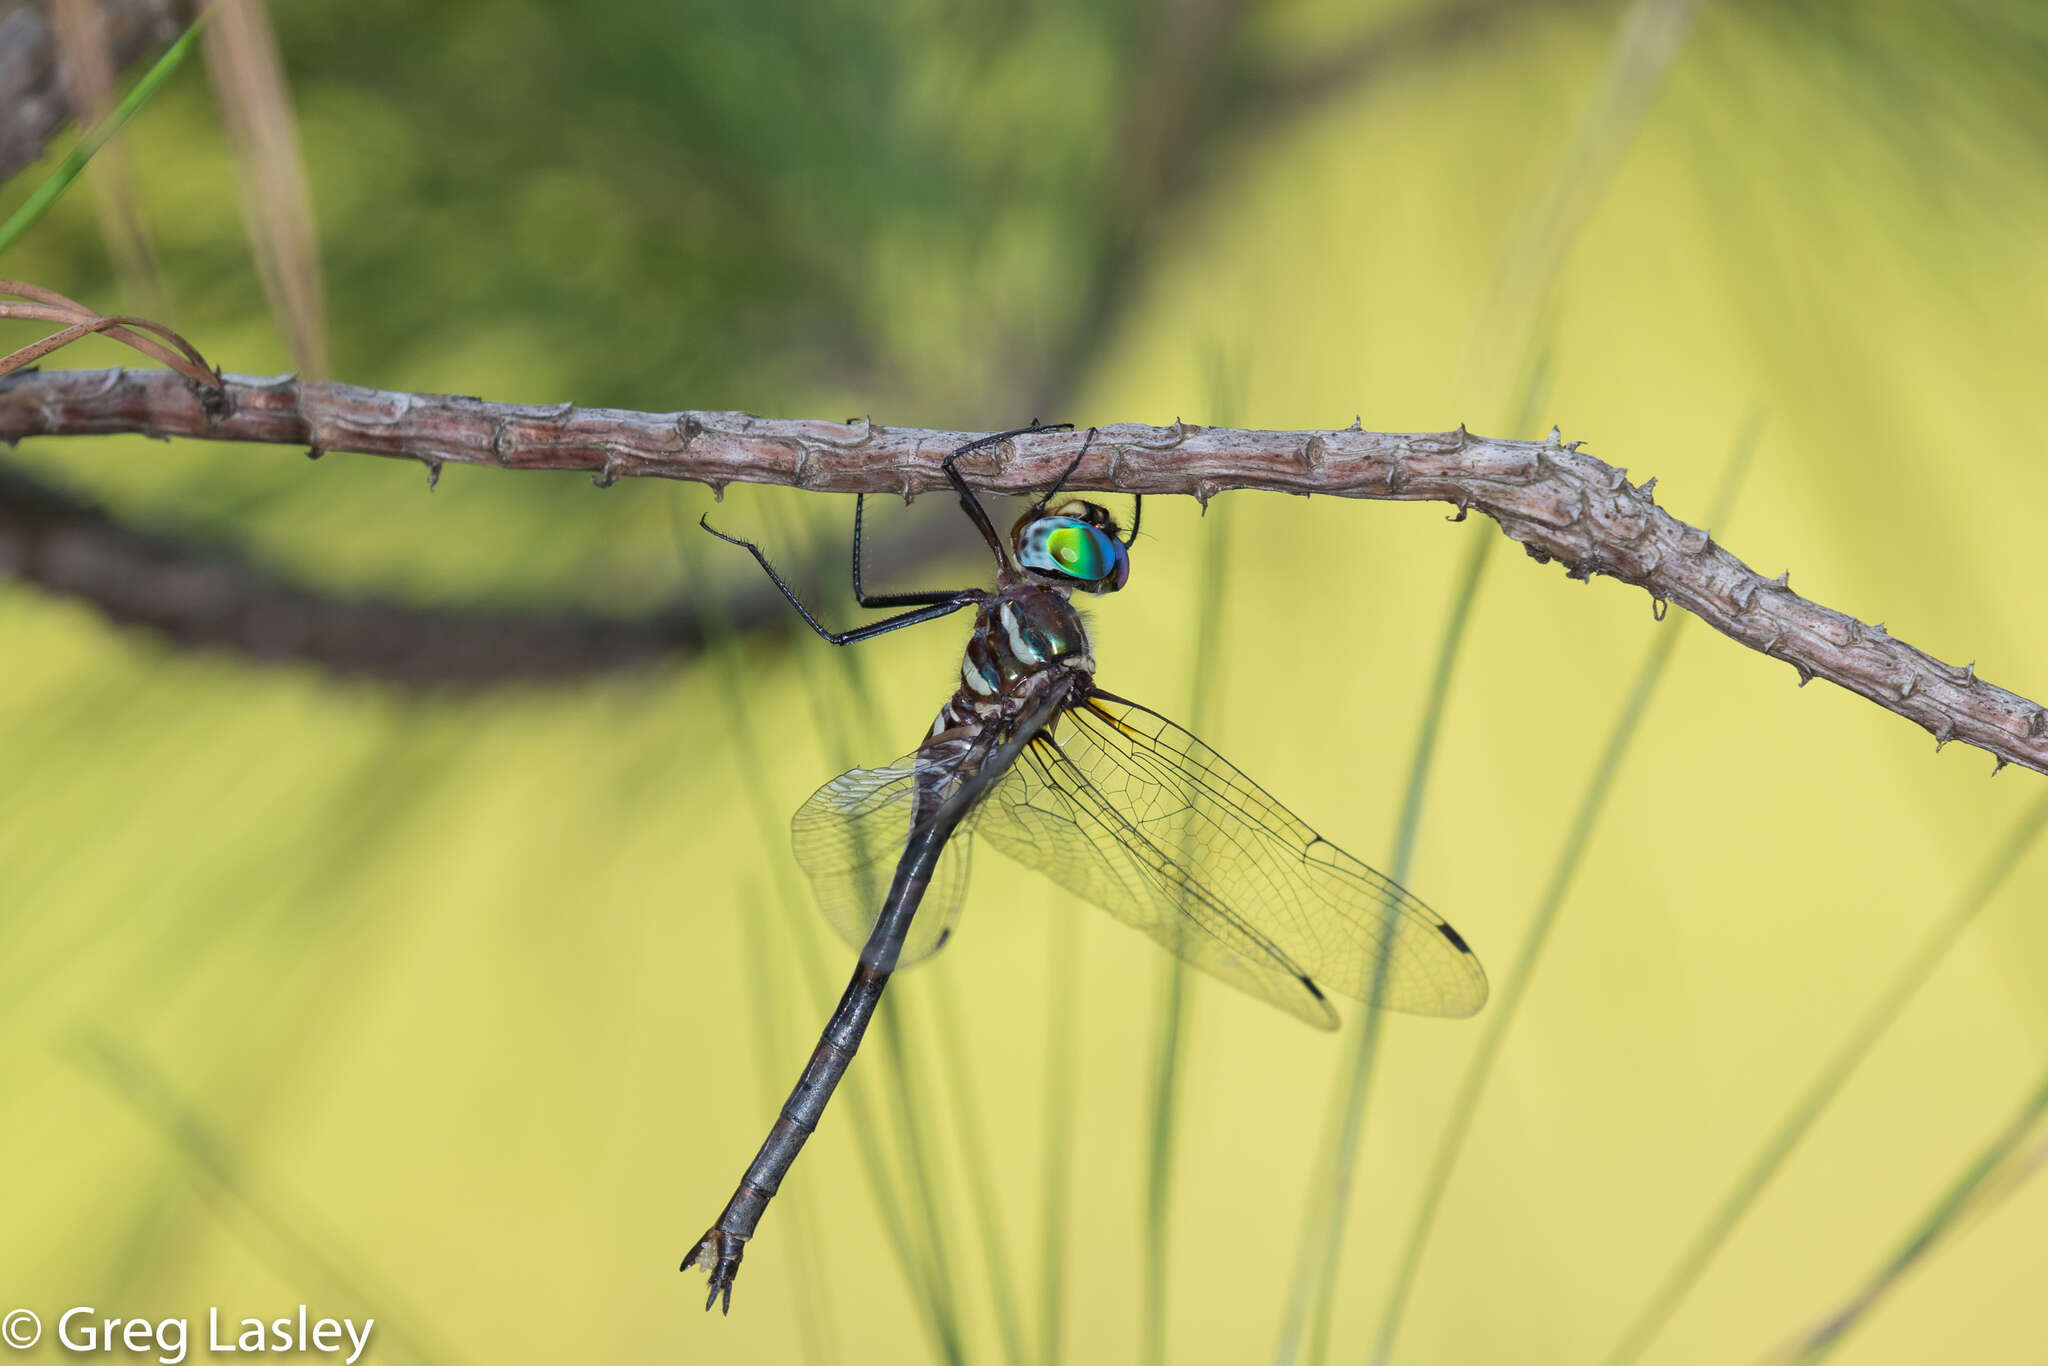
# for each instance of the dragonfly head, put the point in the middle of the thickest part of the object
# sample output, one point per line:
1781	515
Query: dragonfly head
1075	545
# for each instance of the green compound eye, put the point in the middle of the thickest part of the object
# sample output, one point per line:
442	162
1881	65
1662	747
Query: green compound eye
1068	548
1079	550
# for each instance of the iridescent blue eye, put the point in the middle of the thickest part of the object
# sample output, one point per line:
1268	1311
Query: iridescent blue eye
1072	549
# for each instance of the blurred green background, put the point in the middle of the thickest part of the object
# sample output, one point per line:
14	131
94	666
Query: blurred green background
464	1006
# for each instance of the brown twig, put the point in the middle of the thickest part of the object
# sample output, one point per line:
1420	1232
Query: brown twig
1558	502
76	321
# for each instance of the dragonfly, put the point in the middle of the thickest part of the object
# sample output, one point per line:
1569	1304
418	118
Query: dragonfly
1108	798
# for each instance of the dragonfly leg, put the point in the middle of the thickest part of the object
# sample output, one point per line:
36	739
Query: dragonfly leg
930	612
972	504
1065	475
866	599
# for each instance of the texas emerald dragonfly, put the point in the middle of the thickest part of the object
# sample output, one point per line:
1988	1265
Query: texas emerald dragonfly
1109	799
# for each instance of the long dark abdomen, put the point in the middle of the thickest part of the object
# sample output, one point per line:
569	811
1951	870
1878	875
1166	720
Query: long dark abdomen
961	770
934	823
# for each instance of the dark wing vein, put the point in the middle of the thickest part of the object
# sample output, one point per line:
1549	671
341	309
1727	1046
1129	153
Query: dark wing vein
1131	812
1047	815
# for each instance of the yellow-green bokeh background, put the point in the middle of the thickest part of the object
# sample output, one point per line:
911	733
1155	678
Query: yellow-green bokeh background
464	986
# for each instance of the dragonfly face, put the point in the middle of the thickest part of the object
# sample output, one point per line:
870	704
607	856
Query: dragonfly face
1107	798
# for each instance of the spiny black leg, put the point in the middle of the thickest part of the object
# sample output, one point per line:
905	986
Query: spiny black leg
1137	510
1065	475
982	443
972	504
858	633
890	599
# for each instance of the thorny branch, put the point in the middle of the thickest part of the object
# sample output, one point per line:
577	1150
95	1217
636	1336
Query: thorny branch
1557	501
209	595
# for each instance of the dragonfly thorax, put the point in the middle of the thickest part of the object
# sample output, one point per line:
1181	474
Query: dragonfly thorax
1022	631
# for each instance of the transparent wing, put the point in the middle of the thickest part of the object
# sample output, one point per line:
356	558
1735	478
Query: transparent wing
848	837
1131	812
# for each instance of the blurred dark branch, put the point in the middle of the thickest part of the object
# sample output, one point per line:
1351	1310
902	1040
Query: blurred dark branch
205	596
1556	501
34	102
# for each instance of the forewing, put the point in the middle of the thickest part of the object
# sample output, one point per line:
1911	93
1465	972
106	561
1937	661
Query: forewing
1131	812
848	838
1047	815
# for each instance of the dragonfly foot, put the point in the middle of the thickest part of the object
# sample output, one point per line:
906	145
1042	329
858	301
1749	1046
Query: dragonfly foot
719	1253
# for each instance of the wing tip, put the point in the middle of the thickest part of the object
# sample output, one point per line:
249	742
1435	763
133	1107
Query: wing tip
1325	1017
1480	997
1482	991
